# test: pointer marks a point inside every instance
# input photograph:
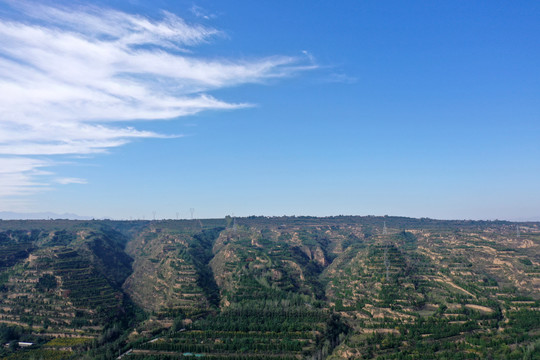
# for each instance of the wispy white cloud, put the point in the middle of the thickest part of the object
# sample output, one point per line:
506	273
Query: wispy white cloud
65	181
309	56
70	75
19	176
201	13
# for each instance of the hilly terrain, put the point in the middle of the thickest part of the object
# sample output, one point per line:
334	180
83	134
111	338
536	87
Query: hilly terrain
270	288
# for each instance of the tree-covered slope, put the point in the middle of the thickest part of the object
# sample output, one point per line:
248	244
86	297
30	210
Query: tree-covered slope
63	283
259	287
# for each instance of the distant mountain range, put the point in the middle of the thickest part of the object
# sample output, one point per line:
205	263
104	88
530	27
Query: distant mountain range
9	215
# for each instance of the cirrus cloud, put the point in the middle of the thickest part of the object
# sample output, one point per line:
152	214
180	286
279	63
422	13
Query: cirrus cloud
70	76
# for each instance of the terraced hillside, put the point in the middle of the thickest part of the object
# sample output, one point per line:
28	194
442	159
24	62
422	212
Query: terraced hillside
171	273
271	288
63	283
270	302
446	298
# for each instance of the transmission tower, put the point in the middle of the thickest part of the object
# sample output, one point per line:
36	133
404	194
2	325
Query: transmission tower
517	231
192	210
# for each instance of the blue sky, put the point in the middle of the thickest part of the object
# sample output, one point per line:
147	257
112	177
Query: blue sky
124	108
